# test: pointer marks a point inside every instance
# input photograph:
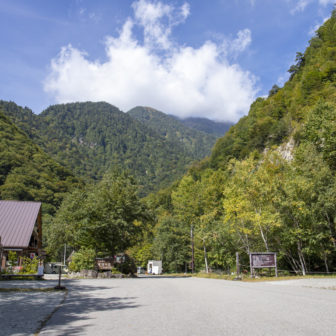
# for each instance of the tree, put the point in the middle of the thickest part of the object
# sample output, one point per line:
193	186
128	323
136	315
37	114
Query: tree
171	244
274	90
108	217
308	210
84	259
188	205
249	200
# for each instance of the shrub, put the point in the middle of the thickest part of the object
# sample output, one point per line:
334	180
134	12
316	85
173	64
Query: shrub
115	271
12	258
29	266
83	259
126	267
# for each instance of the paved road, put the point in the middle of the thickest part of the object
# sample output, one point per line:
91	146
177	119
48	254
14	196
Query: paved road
21	313
192	306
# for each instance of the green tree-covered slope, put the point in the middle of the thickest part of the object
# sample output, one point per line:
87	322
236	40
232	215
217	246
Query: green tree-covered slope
272	120
270	183
197	143
28	173
90	138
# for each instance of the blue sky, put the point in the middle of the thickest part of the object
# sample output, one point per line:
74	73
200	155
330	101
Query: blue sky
188	58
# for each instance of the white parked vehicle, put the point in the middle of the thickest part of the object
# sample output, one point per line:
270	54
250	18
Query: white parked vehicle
52	268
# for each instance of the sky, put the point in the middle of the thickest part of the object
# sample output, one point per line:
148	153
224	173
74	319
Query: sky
195	58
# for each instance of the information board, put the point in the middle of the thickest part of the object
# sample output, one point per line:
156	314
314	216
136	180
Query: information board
263	260
104	264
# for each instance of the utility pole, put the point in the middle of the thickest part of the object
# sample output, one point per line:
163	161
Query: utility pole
192	249
64	254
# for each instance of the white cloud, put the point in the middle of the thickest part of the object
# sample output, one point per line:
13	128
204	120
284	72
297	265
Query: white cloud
326	2
179	80
282	79
242	41
313	29
300	5
88	16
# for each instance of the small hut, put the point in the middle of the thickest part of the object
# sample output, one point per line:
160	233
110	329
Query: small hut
154	267
20	229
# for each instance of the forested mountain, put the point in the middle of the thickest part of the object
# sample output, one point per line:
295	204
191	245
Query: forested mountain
273	120
199	144
90	138
216	128
27	173
270	183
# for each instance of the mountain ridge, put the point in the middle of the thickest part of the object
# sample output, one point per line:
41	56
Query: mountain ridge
198	143
89	138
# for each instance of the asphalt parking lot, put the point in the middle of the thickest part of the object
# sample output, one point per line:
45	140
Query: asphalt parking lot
170	306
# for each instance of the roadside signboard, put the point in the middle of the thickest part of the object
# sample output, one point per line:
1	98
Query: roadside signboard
263	260
104	264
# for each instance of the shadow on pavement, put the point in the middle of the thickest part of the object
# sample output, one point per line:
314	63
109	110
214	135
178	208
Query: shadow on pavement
21	312
74	315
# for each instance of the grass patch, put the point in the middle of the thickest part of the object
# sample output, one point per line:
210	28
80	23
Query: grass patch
247	278
175	275
214	276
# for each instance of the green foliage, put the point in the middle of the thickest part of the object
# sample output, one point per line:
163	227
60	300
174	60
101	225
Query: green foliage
172	245
12	258
84	259
270	121
320	130
27	173
249	200
29	266
108	217
141	253
127	266
274	90
115	271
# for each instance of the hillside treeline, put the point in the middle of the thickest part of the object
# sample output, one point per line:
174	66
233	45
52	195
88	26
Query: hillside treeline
269	184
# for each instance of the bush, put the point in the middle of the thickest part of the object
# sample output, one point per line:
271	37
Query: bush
12	258
126	267
115	271
29	266
84	259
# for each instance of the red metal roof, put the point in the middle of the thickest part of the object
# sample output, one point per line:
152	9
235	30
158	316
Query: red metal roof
17	221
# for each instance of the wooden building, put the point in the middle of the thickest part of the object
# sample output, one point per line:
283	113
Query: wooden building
20	229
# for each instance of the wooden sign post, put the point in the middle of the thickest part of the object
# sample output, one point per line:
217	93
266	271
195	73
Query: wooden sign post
263	260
